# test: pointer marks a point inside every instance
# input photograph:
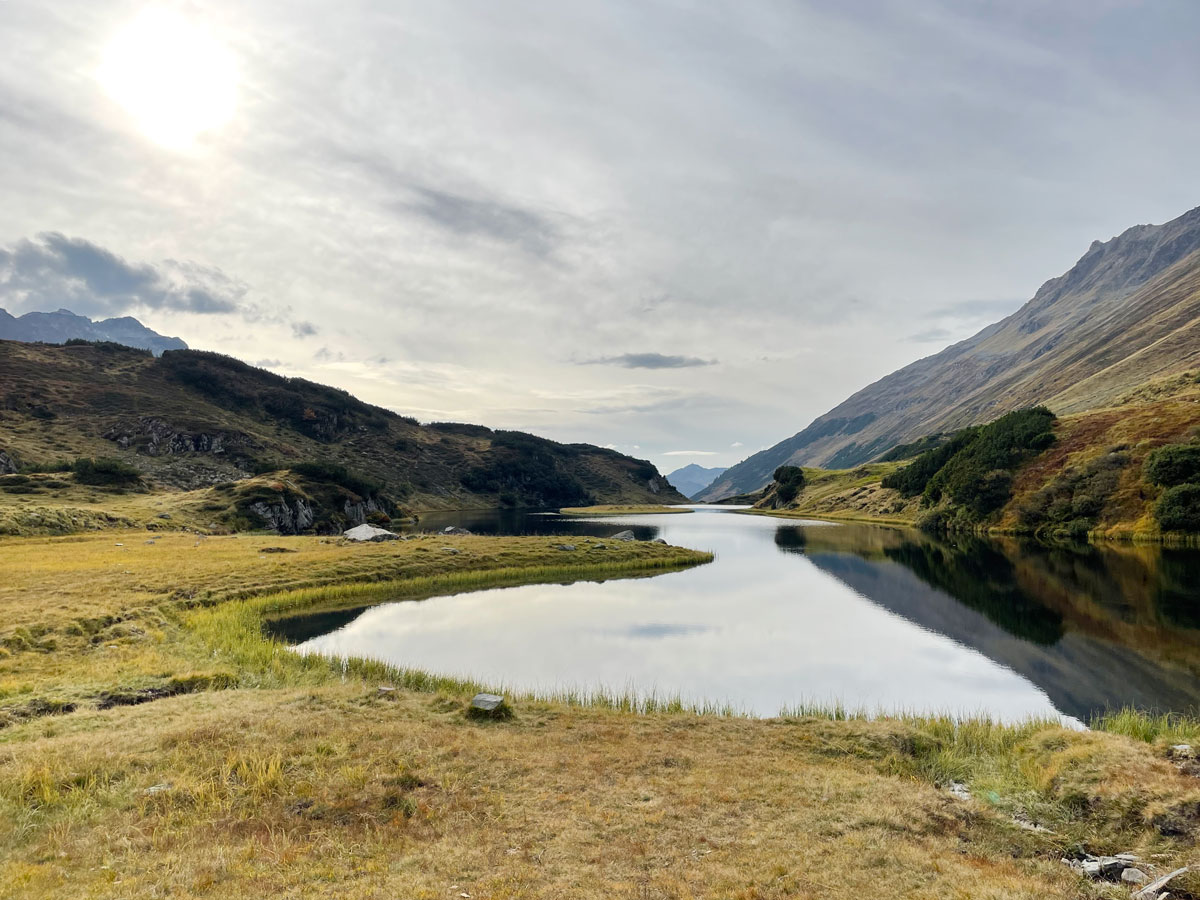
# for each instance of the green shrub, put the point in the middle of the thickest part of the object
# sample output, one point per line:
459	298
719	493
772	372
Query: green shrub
105	471
789	481
913	478
1174	465
1178	508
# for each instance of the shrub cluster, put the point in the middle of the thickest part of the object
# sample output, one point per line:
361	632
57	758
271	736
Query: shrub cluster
105	471
1177	468
525	470
974	469
789	481
1074	500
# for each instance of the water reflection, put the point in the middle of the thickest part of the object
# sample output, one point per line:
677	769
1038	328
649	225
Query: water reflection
872	617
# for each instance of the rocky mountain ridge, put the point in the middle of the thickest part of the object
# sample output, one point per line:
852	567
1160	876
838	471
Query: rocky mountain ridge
62	325
1126	313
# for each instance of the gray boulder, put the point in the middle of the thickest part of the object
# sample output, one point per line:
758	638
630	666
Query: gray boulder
369	534
624	536
8	465
454	529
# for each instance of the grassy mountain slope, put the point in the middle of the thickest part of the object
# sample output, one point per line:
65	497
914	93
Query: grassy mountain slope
1126	313
189	421
1091	479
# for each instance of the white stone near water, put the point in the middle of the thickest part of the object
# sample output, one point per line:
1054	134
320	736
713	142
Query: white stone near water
368	533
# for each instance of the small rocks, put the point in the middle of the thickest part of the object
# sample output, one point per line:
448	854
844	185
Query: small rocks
157	789
1134	876
959	791
386	691
564	547
1181	752
453	551
599	546
454	529
658	541
166	516
624	536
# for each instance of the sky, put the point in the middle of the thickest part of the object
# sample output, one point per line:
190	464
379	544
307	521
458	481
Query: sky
681	229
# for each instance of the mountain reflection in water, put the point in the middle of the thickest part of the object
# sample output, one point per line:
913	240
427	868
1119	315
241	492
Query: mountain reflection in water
873	617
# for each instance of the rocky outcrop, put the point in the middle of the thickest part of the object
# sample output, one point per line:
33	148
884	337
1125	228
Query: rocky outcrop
292	516
8	465
156	437
357	513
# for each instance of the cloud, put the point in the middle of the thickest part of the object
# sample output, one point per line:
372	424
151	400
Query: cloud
482	217
649	361
51	271
303	329
736	444
691	453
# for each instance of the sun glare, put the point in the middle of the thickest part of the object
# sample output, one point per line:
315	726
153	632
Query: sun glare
172	76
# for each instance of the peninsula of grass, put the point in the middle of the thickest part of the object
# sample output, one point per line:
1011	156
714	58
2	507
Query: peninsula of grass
256	771
622	510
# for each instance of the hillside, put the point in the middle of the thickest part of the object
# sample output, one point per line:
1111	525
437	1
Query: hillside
196	424
693	479
1125	314
63	325
1089	476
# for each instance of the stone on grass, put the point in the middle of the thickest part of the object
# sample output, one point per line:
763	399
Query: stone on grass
1134	876
959	791
369	534
565	547
489	706
453	551
454	529
624	536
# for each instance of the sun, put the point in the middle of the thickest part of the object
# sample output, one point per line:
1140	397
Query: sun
172	76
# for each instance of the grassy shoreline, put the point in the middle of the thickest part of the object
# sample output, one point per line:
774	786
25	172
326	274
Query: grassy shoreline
271	772
614	509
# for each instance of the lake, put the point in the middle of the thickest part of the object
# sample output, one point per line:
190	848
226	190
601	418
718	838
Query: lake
802	612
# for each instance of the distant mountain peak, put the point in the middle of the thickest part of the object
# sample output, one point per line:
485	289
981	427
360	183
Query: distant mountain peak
692	479
63	325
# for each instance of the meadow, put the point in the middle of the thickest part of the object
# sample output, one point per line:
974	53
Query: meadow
155	743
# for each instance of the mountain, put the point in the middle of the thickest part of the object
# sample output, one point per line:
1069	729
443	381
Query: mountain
1127	313
63	325
191	421
692	479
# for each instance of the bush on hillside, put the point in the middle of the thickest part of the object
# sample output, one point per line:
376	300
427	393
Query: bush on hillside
1174	465
1074	500
913	478
1178	508
105	471
789	481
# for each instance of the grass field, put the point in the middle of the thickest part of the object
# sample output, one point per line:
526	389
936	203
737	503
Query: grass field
262	773
621	510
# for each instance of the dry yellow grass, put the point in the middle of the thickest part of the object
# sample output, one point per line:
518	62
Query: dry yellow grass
300	779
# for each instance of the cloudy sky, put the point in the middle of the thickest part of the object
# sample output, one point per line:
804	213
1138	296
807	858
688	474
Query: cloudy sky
680	228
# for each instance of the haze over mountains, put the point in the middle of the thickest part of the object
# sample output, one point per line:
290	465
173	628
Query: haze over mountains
62	325
692	479
1127	312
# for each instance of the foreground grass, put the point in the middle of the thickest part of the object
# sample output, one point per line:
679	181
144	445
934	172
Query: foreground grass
621	510
273	774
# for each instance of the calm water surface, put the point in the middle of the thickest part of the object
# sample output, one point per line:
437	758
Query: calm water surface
792	612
